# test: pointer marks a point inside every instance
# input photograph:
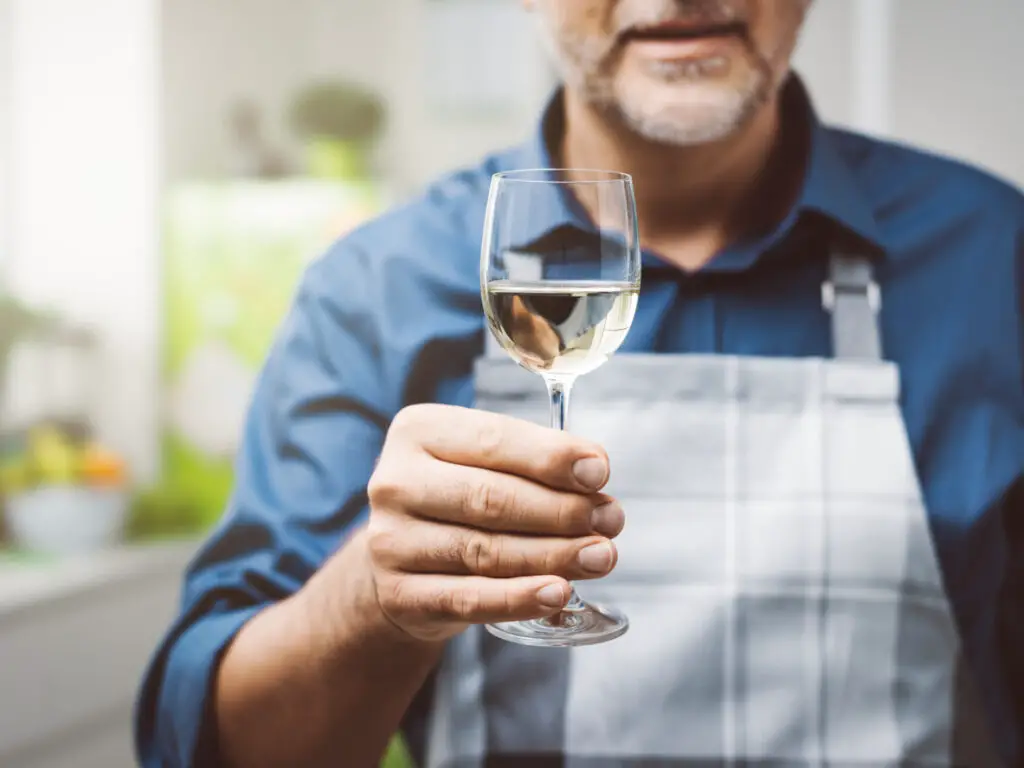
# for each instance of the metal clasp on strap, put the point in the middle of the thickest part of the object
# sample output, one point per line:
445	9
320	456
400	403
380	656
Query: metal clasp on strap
870	292
852	297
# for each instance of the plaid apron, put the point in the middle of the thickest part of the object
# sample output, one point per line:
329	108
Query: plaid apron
786	605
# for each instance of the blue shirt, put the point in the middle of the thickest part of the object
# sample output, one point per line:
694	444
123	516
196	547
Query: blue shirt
391	316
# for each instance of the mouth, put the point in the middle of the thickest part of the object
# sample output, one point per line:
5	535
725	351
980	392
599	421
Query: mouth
682	32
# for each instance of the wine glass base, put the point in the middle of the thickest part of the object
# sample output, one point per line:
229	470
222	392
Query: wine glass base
591	625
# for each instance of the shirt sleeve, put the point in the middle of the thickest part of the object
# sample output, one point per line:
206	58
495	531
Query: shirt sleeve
1013	596
314	429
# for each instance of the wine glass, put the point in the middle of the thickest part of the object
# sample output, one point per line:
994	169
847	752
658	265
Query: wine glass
560	280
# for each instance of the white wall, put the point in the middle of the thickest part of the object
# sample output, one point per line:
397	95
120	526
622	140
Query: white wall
85	177
950	82
958	74
824	59
5	131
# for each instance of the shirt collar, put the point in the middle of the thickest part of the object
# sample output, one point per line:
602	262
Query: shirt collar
829	188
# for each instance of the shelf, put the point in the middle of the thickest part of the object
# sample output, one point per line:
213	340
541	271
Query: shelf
28	582
75	637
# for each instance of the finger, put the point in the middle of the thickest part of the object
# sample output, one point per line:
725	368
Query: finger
475	599
422	546
489	500
505	444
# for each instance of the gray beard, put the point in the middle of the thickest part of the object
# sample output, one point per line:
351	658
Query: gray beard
661	129
703	125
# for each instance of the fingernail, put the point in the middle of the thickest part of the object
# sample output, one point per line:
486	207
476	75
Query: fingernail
608	519
597	558
552	596
591	473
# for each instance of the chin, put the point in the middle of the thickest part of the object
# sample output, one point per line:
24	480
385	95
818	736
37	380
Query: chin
684	114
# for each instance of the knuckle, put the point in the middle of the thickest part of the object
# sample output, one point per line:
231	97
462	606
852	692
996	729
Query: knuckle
508	602
385	489
412	418
572	513
490	437
507	508
491	504
464	603
405	419
399	486
559	558
477	500
482	554
481	502
383	541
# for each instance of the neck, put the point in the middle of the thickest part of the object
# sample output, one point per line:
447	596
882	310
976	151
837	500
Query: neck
691	201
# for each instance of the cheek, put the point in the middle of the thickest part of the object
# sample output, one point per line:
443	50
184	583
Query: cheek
578	16
572	12
775	29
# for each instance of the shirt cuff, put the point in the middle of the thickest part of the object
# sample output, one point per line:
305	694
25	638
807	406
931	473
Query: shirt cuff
175	719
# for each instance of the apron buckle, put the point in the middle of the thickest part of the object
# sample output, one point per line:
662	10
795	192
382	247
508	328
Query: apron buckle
870	292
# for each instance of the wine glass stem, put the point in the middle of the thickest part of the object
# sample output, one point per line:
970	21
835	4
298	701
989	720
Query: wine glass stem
559	389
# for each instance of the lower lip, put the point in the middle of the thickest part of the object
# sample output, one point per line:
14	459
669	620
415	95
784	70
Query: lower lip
683	49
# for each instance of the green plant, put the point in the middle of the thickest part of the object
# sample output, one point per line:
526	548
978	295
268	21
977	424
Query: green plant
164	512
397	755
337	110
18	319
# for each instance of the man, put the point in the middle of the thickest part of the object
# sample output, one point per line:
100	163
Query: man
825	566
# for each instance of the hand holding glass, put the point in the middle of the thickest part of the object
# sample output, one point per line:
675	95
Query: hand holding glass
560	300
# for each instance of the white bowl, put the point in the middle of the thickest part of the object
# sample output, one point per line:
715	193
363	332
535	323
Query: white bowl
67	520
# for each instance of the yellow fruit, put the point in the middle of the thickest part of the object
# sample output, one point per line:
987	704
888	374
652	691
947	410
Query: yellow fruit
14	477
52	456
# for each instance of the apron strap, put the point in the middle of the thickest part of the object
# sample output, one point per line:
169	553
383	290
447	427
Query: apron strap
852	296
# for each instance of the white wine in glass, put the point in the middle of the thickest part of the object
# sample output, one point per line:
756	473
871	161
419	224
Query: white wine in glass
560	298
561	328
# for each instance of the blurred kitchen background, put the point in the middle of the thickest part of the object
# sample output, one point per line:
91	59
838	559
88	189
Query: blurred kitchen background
166	171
